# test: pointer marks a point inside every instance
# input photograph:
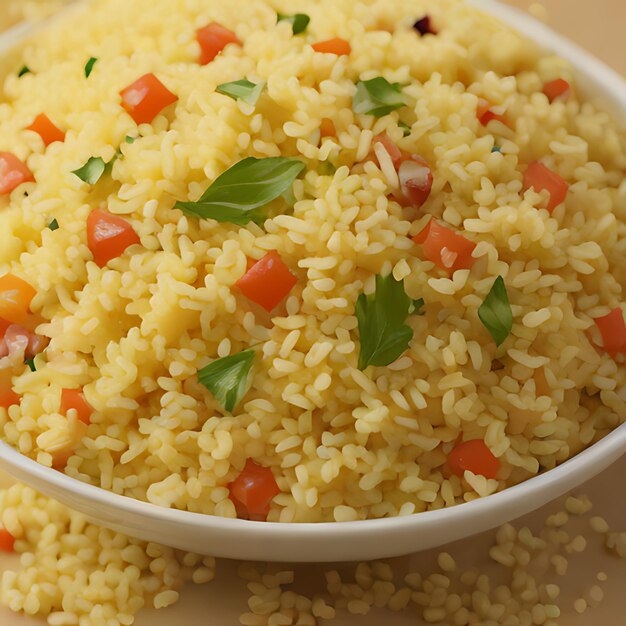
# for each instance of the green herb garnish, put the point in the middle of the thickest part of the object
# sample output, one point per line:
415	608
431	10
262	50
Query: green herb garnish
243	90
25	70
53	225
129	139
89	66
418	307
298	22
237	195
406	129
228	379
377	97
92	171
31	364
495	312
382	315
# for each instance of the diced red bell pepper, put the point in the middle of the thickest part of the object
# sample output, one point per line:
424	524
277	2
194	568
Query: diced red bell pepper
46	129
7	541
213	38
146	98
445	248
75	399
416	179
557	89
613	331
267	282
336	46
253	490
108	236
490	116
540	178
414	173
392	150
17	340
474	456
486	115
13	173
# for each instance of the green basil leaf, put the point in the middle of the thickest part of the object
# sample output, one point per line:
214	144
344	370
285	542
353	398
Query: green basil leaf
298	22
31	364
25	70
53	225
129	139
243	90
92	171
229	379
377	97
237	195
495	312
221	214
406	129
383	332
89	66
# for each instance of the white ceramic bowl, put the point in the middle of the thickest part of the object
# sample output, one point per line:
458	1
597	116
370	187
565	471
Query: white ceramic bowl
371	539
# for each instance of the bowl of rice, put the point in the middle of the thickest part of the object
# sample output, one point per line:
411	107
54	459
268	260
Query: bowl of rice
309	281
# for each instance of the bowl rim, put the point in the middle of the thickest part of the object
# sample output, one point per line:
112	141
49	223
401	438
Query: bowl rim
594	74
574	468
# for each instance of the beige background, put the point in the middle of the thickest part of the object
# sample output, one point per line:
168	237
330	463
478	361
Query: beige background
598	25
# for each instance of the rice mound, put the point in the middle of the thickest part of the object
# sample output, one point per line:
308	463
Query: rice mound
14	11
343	444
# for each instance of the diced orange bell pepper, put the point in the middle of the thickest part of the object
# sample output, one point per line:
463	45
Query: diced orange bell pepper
444	247
474	456
327	128
46	129
75	399
8	397
336	46
15	298
613	331
7	541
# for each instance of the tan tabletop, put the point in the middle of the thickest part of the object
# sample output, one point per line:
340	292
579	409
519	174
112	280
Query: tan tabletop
597	25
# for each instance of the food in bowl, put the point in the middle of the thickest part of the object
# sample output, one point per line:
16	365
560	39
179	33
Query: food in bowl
305	261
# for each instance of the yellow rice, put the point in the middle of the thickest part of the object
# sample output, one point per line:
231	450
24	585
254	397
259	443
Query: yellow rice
343	444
